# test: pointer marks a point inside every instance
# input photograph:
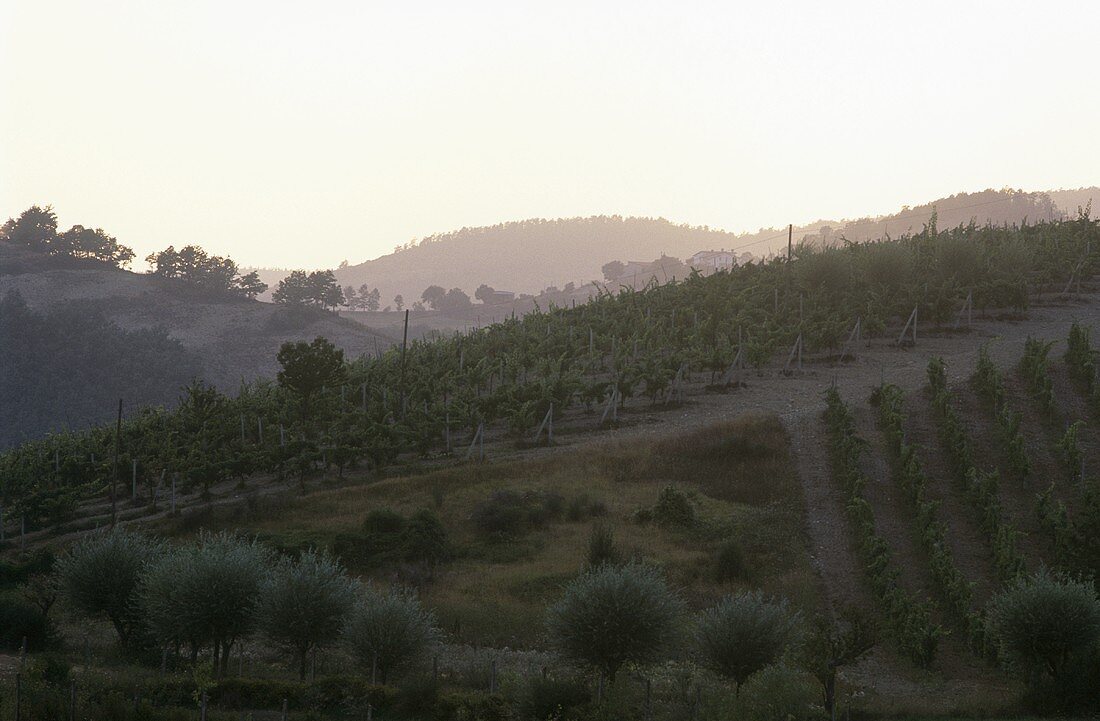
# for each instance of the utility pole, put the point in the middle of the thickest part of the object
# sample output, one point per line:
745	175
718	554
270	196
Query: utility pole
114	480
790	240
404	344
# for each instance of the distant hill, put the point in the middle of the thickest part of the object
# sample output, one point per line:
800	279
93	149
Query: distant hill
73	316
529	255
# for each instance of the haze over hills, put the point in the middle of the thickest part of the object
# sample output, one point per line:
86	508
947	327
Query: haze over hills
530	255
83	334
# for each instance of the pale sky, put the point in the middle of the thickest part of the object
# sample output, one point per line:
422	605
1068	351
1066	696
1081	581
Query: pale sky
297	134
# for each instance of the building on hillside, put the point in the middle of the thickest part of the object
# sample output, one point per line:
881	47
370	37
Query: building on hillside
713	260
500	296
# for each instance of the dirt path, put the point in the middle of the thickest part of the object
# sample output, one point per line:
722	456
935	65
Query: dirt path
832	549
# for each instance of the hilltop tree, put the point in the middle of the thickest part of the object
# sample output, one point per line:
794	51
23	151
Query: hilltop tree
613	270
35	228
433	296
484	293
195	266
399	301
316	288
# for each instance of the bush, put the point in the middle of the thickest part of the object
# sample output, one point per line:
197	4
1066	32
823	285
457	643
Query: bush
613	615
673	509
507	515
601	546
582	507
100	575
552	698
303	604
729	562
383	522
743	634
19	620
779	693
388	631
1045	628
424	539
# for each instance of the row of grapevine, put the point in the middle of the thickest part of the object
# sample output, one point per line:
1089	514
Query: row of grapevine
980	487
988	381
956	591
1035	369
507	375
910	619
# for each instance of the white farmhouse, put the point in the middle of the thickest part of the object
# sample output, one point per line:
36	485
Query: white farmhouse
713	260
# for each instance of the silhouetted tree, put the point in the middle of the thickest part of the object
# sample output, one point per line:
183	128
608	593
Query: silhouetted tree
613	270
308	367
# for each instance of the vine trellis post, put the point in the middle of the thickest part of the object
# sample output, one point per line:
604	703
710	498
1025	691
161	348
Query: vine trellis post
796	354
478	442
911	323
967	309
548	425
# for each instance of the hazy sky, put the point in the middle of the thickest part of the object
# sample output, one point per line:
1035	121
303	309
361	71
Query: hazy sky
299	134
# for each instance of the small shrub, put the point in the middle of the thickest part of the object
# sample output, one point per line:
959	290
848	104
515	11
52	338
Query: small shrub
552	698
583	507
729	562
601	546
19	620
779	693
383	522
424	539
508	515
673	509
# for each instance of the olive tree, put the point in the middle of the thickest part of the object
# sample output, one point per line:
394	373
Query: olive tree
743	634
100	575
206	593
303	604
1043	627
389	631
614	615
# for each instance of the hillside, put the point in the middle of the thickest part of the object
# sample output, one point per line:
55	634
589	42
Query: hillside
221	340
530	255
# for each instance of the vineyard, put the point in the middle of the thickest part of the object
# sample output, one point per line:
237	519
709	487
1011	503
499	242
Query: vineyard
960	487
503	381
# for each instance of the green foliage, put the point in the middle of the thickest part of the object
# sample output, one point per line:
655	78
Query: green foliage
833	644
1035	371
1070	449
101	575
309	367
673	509
953	587
601	546
730	563
909	620
21	620
388	632
424	539
551	699
1046	629
614	615
742	634
980	489
303	604
508	515
205	593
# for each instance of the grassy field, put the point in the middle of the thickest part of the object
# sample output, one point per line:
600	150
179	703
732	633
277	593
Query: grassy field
737	476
